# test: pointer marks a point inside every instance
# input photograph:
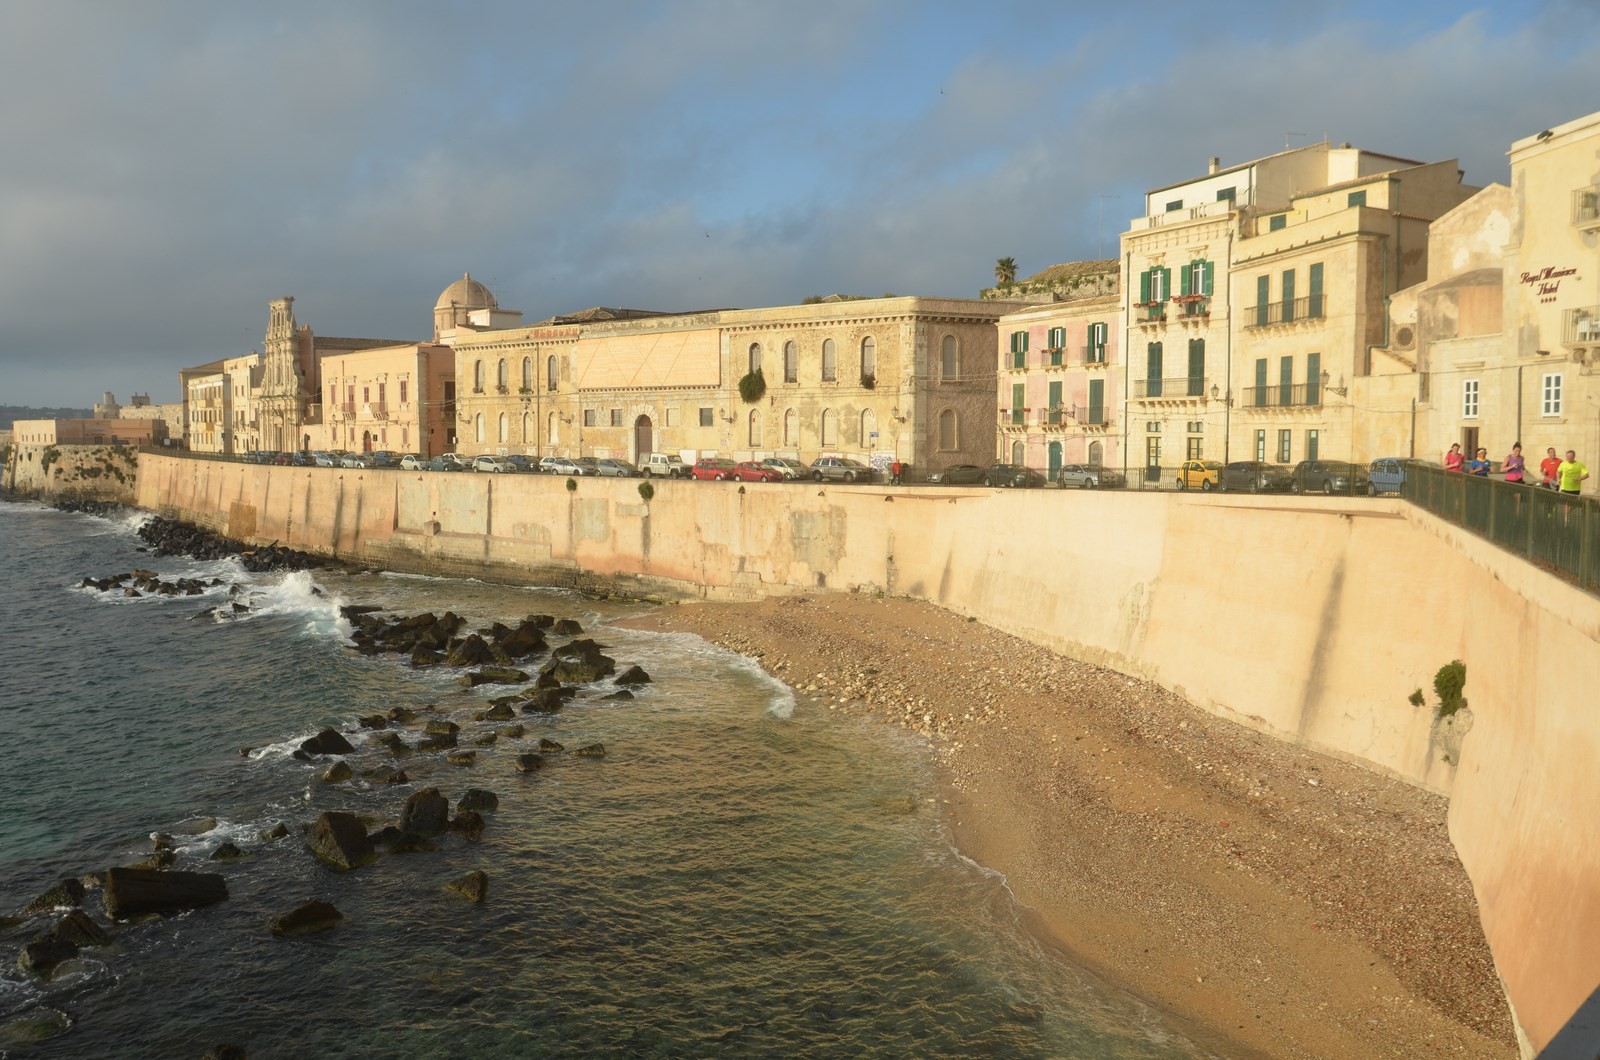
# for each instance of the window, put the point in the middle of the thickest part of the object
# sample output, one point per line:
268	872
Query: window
527	373
869	358
1196	277
1261	445
1057	339
829	430
1152	454
1288	295
1053	408
869	429
947	429
1285	440
705	417
672	415
1197	367
755	357
616	417
1263	296
1097	402
1314	299
830	368
477	427
1277	222
552	432
550	372
501	378
1096	353
1155	284
1193	448
1355	198
1227	194
1019	453
505	428
791	428
1175	204
1469	399
366	395
1152	374
590	418
477	377
1313	380
947	358
1019	349
1312	438
1261	383
402	391
1285	380
791	363
1550	394
1019	401
527	428
755	427
382	387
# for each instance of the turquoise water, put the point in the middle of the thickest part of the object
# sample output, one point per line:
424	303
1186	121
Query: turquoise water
737	877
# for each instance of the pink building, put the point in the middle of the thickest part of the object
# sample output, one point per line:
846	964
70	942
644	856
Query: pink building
1058	384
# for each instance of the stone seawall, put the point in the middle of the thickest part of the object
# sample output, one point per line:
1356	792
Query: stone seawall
82	472
1310	618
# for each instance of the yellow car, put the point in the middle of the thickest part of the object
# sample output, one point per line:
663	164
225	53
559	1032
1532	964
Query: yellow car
1199	474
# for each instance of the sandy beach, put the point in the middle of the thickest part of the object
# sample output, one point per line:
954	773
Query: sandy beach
1291	902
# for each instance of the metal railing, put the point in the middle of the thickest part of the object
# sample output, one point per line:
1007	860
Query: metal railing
1094	354
1311	307
1183	386
1580	326
1555	531
1586	206
1273	397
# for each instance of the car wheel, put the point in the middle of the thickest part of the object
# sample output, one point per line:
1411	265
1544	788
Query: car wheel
1206	486
1372	491
1183	483
1327	487
1255	487
849	476
1086	484
816	476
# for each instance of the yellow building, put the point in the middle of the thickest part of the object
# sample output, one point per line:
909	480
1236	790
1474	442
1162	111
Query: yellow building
387	398
207	407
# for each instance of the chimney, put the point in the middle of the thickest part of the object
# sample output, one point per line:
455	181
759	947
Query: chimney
1216	164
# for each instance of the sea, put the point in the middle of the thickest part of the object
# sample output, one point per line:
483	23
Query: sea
742	874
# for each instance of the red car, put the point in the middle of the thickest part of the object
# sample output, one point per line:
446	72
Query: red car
714	468
756	471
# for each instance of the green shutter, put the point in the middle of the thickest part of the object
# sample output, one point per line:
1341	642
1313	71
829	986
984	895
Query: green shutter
1097	400
1055	401
1313	379
1144	286
1285	380
1288	295
1263	297
1166	283
1153	370
1314	302
1197	366
1211	270
1261	382
1185	275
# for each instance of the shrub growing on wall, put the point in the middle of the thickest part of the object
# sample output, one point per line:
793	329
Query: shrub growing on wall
646	492
753	387
1448	684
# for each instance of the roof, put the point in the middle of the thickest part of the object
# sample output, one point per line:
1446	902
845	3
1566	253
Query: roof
598	313
466	293
1280	154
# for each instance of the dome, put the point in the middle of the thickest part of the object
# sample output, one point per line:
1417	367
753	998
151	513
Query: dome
466	293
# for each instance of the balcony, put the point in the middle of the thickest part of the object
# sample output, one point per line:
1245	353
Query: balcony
1586	207
1196	307
1054	357
1149	312
378	410
1092	417
1293	395
1273	313
1012	419
1581	327
347	410
1182	388
1093	355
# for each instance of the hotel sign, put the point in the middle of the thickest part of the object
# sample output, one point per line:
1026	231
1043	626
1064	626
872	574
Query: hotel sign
1547	281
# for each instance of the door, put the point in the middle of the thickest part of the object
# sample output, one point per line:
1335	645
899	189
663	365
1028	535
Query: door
1469	442
1055	459
366	441
643	443
1017	452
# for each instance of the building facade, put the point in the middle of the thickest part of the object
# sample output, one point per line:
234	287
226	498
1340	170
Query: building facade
1060	375
393	398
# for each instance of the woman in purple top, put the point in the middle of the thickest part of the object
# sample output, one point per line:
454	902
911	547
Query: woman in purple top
1479	464
1514	465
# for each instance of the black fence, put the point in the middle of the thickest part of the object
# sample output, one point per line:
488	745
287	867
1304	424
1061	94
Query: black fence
1555	531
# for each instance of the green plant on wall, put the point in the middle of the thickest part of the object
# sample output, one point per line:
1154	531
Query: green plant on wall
646	492
50	455
753	387
1448	685
1416	698
572	485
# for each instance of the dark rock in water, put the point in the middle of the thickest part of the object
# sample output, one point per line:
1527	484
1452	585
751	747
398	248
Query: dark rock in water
131	592
226	852
37	1025
501	711
577	649
426	657
338	772
392	741
442	728
492	675
529	763
134	892
157	861
478	799
546	678
619	694
401	715
593	750
225	1052
513	732
471	651
373	721
567	627
550	746
426	813
437	743
462	758
540	621
277	831
67	892
41	956
338	839
354	610
327	742
523	641
633	675
78	928
583	669
474	886
469	824
161	841
240	609
397	777
486	740
196	826
309	919
547	700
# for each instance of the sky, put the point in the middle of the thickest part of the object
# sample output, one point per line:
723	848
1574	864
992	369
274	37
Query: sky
169	168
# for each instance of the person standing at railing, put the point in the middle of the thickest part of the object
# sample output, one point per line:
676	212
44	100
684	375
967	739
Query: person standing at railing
1514	465
1571	474
1548	468
1479	464
1453	459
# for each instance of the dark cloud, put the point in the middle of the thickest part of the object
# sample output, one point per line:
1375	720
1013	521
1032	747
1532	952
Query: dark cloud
172	166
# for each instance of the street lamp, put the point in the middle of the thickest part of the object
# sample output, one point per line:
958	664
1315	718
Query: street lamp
1342	391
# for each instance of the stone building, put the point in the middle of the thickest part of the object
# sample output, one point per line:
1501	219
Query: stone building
207	407
87	432
394	398
170	414
1060	381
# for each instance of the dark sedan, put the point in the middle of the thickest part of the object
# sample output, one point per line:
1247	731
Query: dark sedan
1254	476
959	475
1329	476
1012	475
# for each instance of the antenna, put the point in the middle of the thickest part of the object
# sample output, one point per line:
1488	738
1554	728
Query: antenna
1104	241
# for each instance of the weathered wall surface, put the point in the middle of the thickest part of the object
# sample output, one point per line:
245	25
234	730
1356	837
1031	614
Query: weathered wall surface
1310	618
86	472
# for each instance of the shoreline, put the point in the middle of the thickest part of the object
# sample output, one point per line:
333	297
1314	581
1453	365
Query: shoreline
1284	900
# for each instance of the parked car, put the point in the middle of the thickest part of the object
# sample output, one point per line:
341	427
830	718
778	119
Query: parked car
1089	477
614	468
590	465
714	468
1387	474
958	475
518	462
357	460
560	465
322	459
303	458
1012	475
383	458
1256	476
756	471
412	462
667	465
1329	476
840	469
443	462
1200	474
284	459
788	467
491	465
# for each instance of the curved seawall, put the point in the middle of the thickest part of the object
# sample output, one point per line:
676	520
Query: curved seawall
1309	618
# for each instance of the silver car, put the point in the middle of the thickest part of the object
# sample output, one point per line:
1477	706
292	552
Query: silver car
413	462
560	465
1089	477
789	469
840	469
614	468
355	460
490	464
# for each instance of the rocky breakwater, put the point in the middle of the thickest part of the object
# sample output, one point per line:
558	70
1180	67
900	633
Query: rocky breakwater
168	537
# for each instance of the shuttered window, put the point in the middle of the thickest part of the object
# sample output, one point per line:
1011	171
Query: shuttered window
1314	296
1097	400
1263	297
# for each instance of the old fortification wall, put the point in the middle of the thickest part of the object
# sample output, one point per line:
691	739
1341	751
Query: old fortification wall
1310	618
84	472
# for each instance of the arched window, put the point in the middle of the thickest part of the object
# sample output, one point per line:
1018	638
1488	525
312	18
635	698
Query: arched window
550	372
755	357
869	429
527	373
1018	451
1096	452
791	362
501	379
947	358
755	428
477	426
527	428
830	369
791	427
869	358
505	428
550	433
829	431
477	377
947	429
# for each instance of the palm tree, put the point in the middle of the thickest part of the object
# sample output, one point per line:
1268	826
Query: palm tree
1005	272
